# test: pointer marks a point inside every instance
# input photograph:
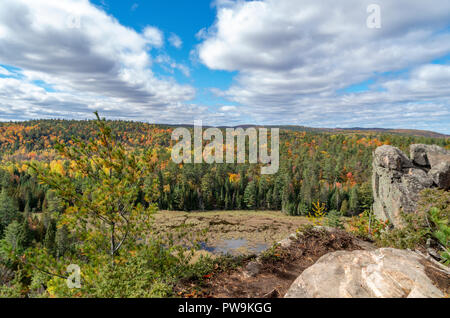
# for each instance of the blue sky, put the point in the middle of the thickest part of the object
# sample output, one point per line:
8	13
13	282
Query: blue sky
185	19
228	62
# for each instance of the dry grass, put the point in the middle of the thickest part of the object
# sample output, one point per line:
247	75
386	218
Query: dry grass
257	227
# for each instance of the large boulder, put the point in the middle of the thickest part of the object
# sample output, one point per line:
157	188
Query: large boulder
440	174
396	184
382	273
428	155
397	180
391	158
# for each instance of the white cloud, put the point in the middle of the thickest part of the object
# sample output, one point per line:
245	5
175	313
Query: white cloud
202	34
88	58
228	108
153	36
170	65
430	81
294	57
175	41
21	100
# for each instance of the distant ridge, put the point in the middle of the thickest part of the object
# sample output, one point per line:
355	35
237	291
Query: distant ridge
353	130
408	132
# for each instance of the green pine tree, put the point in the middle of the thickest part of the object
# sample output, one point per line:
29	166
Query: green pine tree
8	210
12	238
344	207
49	240
250	195
365	196
353	201
62	241
26	234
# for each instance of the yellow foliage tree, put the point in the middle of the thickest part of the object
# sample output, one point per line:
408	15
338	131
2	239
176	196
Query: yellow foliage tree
318	213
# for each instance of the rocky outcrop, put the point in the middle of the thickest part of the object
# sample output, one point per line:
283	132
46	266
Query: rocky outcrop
398	180
440	174
428	155
383	273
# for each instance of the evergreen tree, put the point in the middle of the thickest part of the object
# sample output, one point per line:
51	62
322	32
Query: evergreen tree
250	195
335	200
54	203
353	201
302	209
62	241
49	240
27	208
12	238
306	189
112	179
8	210
344	207
26	234
365	196
227	202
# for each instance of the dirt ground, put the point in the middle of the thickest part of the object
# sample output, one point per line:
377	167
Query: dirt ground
439	279
277	272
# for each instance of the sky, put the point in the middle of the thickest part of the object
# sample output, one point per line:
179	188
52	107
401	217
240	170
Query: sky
228	62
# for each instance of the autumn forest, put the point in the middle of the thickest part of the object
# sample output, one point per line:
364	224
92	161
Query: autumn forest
60	179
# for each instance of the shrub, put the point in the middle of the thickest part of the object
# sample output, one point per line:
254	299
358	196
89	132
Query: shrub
441	233
334	220
272	254
413	233
434	198
430	222
367	226
15	288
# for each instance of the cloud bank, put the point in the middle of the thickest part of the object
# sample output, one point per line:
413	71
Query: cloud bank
72	58
298	60
305	62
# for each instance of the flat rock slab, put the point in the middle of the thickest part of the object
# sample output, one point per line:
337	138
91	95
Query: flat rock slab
381	273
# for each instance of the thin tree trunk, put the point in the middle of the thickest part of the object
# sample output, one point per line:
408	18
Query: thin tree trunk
113	244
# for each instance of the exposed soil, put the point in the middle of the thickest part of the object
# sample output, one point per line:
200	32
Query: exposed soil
439	278
278	270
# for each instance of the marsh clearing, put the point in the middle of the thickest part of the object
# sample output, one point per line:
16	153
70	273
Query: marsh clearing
233	232
246	233
276	271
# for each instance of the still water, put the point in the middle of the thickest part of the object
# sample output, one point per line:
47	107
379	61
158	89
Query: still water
234	246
